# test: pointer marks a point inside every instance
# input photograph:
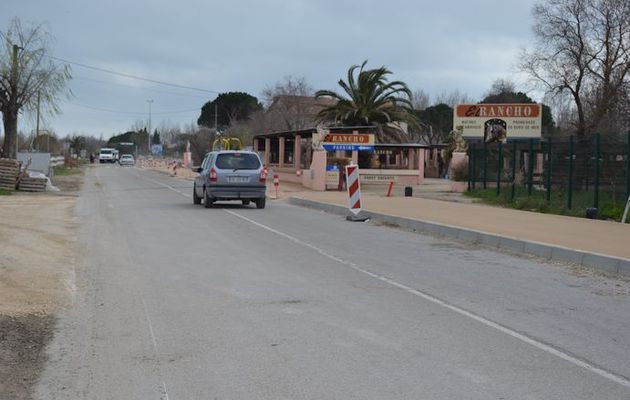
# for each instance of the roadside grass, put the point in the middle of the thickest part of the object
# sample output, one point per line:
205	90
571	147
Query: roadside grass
62	170
5	192
609	208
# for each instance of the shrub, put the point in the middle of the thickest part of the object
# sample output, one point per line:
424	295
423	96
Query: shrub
612	211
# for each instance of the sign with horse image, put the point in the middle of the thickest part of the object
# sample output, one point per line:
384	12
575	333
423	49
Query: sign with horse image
498	122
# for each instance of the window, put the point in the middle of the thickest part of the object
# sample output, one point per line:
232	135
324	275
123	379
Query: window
204	163
274	151
237	161
289	149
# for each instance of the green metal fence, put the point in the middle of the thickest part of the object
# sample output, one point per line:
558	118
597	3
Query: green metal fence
569	173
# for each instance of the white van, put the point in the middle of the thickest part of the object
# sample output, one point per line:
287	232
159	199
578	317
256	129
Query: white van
107	155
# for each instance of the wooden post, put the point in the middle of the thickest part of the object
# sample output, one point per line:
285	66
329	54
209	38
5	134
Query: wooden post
267	150
281	152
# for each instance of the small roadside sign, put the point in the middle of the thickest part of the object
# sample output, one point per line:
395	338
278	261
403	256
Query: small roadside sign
354	189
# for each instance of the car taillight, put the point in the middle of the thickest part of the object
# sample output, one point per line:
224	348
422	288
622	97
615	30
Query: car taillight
263	175
212	177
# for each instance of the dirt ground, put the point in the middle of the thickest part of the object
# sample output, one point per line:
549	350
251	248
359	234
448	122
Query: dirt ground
37	267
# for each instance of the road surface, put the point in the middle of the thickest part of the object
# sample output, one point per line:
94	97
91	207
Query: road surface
174	301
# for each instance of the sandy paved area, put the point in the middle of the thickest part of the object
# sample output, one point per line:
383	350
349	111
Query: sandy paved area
37	263
37	269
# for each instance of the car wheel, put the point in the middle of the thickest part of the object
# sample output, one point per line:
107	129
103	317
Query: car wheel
207	200
196	199
245	202
260	203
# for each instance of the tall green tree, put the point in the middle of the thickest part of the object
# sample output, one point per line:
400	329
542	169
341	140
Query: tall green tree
139	139
369	98
503	91
155	139
436	123
230	108
26	72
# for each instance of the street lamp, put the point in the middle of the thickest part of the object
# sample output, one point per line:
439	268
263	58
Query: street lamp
150	101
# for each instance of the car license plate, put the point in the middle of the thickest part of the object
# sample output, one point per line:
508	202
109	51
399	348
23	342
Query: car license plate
237	179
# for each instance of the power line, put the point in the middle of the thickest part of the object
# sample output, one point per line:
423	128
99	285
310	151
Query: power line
83	78
108	71
131	112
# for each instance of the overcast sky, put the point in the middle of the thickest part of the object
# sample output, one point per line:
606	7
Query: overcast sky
246	45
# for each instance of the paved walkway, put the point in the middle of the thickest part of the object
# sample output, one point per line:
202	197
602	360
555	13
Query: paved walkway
604	237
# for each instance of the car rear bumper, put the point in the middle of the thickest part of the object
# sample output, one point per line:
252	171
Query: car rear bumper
232	192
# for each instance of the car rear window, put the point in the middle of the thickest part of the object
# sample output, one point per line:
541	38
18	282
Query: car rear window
237	161
106	152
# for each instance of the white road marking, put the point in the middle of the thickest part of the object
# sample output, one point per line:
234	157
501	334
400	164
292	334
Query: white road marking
163	185
503	329
165	392
146	314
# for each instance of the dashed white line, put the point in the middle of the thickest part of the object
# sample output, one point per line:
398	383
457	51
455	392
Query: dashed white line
165	392
146	314
163	185
503	329
418	293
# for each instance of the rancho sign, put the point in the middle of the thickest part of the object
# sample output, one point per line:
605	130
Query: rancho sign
349	141
498	122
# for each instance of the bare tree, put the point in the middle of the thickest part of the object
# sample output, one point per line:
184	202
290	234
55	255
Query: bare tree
452	98
138	125
420	99
92	144
288	86
168	131
500	86
582	51
26	72
200	139
290	105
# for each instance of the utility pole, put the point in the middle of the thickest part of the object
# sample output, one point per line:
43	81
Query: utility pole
216	118
37	125
13	100
150	101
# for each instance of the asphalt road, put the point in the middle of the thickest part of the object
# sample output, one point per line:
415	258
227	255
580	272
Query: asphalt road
174	301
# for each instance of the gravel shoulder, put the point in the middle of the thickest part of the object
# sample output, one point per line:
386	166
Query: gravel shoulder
37	270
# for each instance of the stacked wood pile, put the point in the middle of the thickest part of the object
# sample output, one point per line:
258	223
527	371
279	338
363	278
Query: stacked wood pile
28	184
9	173
12	177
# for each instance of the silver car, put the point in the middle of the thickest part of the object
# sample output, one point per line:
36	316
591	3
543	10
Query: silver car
127	159
230	175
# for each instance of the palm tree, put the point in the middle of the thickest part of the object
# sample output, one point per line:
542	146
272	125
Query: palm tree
371	100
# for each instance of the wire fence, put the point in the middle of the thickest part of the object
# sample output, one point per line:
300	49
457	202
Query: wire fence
569	174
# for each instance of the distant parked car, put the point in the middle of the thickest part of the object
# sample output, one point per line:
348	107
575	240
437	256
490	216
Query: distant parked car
127	159
230	175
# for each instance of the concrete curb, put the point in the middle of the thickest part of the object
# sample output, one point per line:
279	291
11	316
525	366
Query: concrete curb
602	262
